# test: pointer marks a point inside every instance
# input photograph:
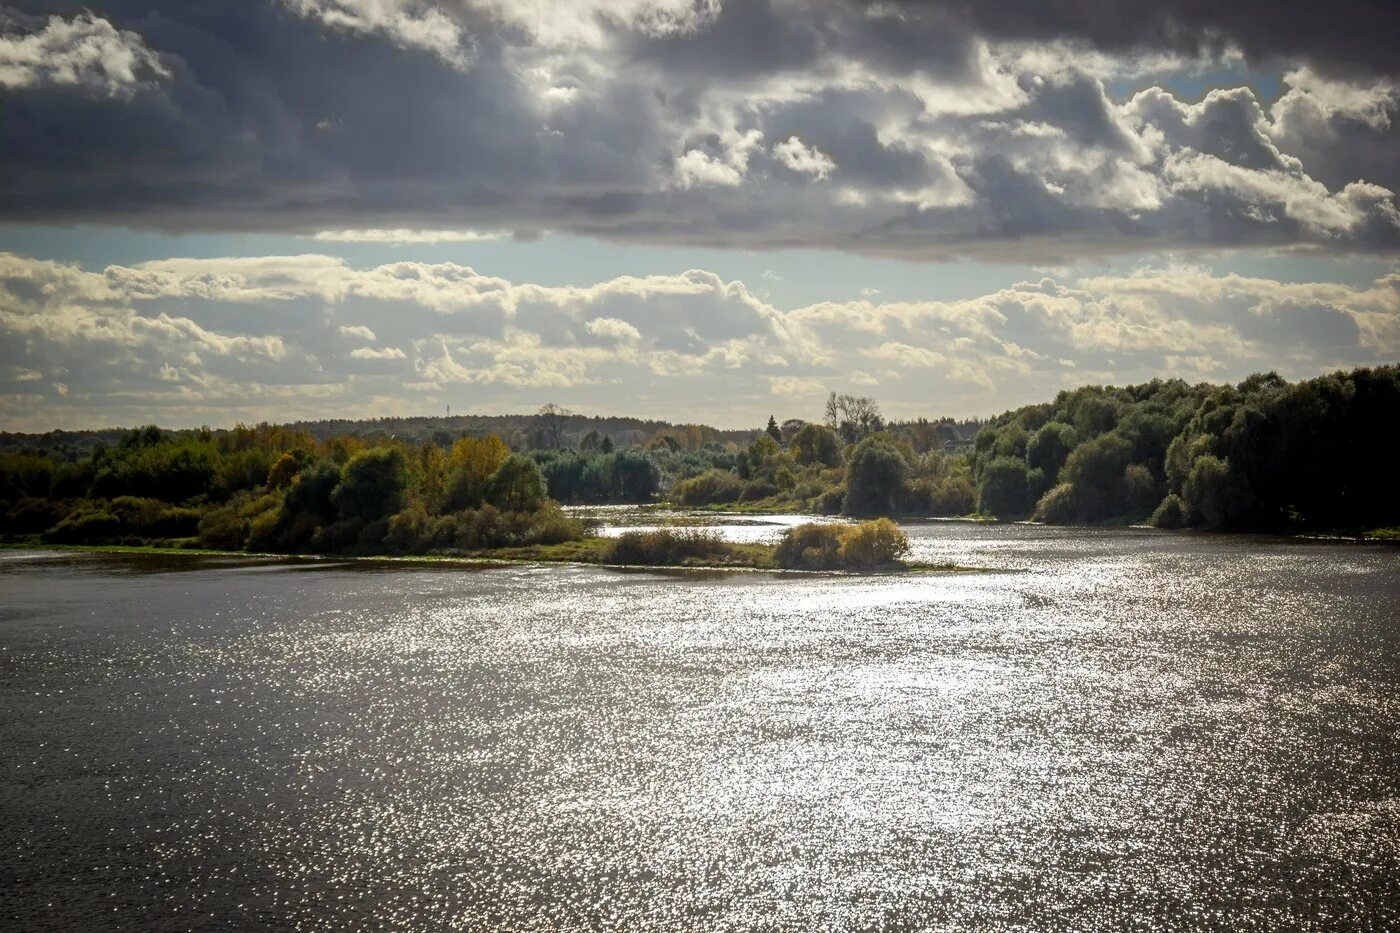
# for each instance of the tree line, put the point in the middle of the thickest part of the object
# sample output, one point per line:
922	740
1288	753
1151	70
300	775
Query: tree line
1262	455
1265	454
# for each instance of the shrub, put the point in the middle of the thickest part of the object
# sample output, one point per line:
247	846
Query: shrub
407	530
151	518
263	530
708	488
1171	513
917	498
86	527
666	547
832	501
757	489
371	536
336	537
1038	483
489	527
810	547
552	525
954	496
1058	506
223	528
32	516
296	531
878	543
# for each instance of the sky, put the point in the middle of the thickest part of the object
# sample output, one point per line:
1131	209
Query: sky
695	210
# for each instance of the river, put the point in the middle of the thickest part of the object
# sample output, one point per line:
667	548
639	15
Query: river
1112	729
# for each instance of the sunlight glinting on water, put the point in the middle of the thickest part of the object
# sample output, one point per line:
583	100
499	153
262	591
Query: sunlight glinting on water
1118	730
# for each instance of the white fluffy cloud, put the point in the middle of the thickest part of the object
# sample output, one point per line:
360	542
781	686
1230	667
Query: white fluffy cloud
409	24
807	160
610	328
86	52
316	337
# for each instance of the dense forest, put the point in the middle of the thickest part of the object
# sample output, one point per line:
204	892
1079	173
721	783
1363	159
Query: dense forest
1264	455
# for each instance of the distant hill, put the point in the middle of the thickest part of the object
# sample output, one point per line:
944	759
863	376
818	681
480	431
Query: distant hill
519	431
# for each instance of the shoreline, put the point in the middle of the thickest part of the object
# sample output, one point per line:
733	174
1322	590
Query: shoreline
485	560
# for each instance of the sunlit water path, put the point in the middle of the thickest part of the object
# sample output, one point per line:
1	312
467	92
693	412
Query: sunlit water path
1123	730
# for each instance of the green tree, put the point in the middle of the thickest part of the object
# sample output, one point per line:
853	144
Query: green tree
372	484
875	478
760	458
816	444
1206	493
1003	489
773	430
633	475
311	491
517	486
1096	415
1048	448
1096	469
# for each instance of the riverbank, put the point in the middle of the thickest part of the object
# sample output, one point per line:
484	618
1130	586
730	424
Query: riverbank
590	552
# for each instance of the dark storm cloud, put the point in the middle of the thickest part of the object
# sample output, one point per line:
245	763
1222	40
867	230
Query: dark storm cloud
1346	35
896	128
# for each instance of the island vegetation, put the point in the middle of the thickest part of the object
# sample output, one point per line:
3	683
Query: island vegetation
1263	455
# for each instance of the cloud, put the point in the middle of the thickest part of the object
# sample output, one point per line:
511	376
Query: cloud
1344	35
797	387
86	53
182	341
610	328
936	130
803	159
382	353
406	23
697	168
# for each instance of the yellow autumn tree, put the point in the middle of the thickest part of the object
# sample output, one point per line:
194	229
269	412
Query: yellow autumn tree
286	467
435	466
472	462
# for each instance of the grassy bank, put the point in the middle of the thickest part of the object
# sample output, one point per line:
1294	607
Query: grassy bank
593	551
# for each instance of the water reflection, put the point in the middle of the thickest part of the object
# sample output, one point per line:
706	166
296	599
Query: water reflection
1140	730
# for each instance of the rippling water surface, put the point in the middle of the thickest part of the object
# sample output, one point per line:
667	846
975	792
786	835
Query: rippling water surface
1121	730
